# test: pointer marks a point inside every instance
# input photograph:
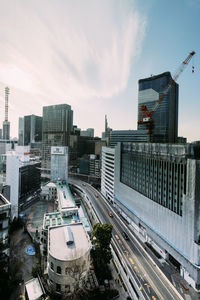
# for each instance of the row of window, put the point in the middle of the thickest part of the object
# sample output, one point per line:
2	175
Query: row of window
58	269
160	180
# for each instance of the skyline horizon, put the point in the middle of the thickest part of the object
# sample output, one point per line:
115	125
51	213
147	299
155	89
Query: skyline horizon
92	55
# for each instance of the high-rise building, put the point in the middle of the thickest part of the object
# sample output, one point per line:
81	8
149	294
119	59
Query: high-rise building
59	164
6	123
21	132
165	128
56	129
23	177
32	129
107	172
156	189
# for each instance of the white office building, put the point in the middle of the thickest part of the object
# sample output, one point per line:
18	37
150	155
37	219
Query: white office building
107	172
59	164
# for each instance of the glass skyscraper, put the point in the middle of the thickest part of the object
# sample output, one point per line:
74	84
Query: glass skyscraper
165	129
56	129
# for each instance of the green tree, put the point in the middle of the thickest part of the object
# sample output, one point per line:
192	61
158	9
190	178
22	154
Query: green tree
101	252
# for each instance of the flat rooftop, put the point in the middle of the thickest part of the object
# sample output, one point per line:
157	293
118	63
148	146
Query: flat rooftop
66	199
58	247
55	219
34	289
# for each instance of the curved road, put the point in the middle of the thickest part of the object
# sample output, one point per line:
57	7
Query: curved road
153	285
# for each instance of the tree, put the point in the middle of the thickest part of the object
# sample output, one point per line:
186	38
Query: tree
101	253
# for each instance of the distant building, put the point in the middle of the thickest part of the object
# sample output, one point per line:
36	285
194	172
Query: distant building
59	164
23	177
56	129
32	129
90	165
156	189
88	132
4	227
21	132
68	257
165	118
120	136
107	173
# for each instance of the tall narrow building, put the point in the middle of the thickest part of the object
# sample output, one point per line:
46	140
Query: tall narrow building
6	123
56	129
165	129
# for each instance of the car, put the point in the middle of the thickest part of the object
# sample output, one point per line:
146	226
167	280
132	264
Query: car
83	184
110	214
97	196
125	236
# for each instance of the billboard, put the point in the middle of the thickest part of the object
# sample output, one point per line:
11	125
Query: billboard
58	150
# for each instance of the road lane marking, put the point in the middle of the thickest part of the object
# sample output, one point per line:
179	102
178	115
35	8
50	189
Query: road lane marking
131	261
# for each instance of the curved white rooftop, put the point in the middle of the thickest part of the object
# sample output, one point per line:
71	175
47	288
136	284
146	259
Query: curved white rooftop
58	247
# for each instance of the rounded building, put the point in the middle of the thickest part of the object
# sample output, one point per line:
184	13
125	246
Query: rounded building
68	257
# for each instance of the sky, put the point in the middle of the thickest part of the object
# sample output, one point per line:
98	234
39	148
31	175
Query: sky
90	54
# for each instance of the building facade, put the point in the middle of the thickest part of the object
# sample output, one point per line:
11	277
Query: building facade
59	164
56	129
21	132
107	173
4	227
120	136
157	190
165	128
68	257
23	177
32	129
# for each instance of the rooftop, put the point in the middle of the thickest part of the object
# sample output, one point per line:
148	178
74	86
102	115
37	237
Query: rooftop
34	289
58	247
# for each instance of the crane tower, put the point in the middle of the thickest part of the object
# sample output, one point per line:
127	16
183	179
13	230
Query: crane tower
146	115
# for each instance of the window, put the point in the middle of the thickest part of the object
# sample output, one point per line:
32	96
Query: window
52	266
58	270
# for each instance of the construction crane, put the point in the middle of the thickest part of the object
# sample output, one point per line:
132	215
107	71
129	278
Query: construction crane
145	115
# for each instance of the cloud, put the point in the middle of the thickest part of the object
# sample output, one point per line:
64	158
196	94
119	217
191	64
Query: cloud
69	49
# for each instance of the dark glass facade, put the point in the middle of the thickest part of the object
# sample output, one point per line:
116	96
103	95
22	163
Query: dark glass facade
56	129
165	118
161	179
29	181
32	129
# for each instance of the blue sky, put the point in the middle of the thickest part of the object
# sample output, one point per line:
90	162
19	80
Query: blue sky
91	53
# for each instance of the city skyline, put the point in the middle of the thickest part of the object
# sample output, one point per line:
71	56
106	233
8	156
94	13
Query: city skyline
91	55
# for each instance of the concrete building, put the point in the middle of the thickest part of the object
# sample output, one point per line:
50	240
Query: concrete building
56	129
120	136
157	190
166	116
23	177
59	164
4	227
68	257
49	192
107	173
